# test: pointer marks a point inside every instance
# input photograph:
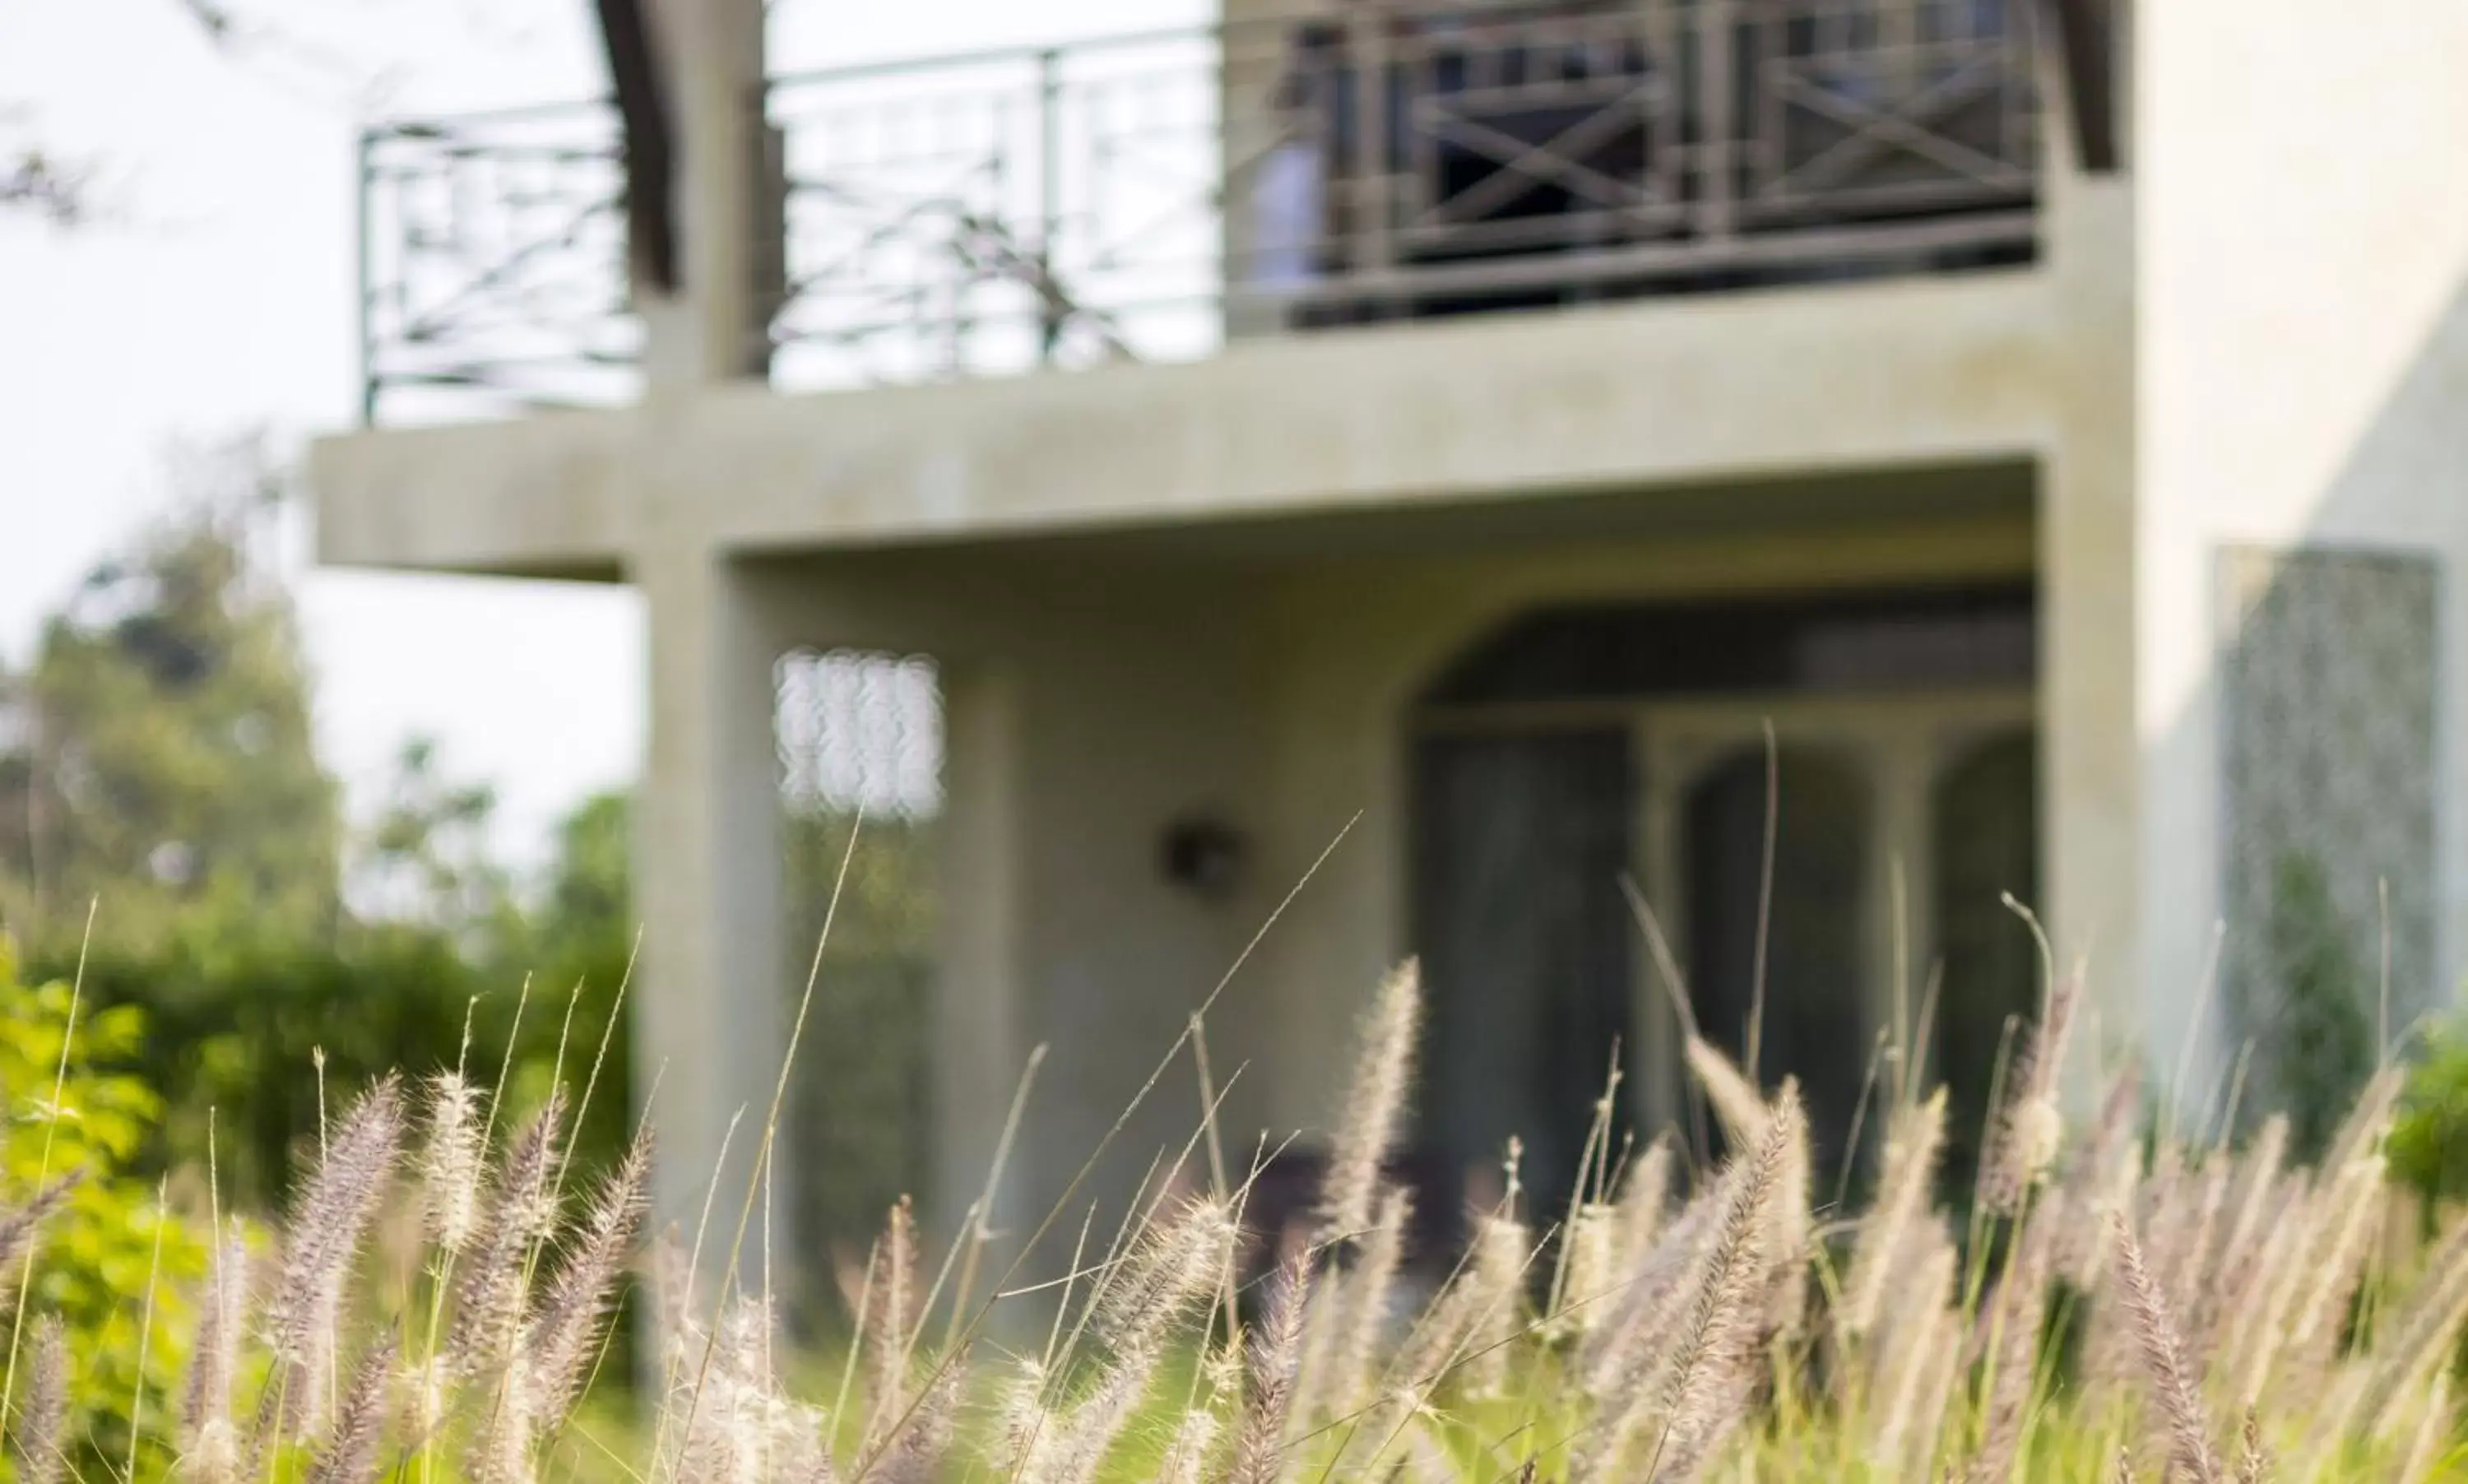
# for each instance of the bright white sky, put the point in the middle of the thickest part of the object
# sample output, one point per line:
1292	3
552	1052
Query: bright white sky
220	298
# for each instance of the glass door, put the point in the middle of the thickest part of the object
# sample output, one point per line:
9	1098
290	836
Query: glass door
1897	824
1902	823
1808	942
1522	836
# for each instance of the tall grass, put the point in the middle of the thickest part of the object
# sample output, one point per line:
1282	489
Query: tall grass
2111	1304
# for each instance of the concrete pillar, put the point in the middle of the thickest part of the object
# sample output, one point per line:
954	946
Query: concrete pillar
710	1009
978	1054
714	327
710	1006
2091	756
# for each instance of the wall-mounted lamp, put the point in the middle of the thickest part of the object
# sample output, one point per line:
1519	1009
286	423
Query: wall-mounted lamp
1203	856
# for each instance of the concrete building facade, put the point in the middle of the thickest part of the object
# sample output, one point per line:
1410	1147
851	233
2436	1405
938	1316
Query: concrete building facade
2106	559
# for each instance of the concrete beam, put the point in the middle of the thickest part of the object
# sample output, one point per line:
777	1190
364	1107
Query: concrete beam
546	496
1627	396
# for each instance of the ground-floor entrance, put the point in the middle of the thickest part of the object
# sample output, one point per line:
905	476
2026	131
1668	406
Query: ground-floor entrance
1473	750
1822	803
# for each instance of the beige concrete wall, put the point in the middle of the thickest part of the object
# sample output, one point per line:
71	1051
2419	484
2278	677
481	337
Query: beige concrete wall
1100	691
2302	368
1089	704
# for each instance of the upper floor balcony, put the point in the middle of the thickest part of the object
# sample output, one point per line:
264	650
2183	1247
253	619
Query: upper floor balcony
1149	198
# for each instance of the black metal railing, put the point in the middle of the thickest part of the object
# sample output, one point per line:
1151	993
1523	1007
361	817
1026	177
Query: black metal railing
1149	197
493	264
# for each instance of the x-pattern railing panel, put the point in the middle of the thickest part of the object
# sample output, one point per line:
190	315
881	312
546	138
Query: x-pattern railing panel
1868	106
1586	106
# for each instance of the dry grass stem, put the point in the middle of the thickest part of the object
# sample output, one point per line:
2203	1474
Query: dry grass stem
1269	1380
305	1311
1670	1323
1903	1192
350	1455
1375	1105
2163	1359
41	1430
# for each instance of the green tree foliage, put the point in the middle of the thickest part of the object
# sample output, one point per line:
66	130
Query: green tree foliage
2428	1140
427	857
156	754
157	762
859	1110
237	1019
113	1243
576	939
589	904
236	1025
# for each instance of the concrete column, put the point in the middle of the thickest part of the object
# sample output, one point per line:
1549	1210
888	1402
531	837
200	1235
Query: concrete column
710	1010
713	328
2091	758
977	1050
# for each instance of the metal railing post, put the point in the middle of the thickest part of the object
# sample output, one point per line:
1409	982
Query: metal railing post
1659	34
1718	130
365	280
1049	210
767	255
1898	35
1367	221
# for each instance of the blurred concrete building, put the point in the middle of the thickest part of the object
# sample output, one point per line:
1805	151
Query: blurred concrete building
1130	462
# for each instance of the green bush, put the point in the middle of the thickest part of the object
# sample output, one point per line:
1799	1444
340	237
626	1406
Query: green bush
858	1111
234	1028
2428	1141
113	1249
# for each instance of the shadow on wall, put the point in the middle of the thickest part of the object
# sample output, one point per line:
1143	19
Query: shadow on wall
2330	850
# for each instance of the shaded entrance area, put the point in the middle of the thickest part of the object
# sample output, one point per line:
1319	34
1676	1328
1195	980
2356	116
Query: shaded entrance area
1456	729
1579	747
